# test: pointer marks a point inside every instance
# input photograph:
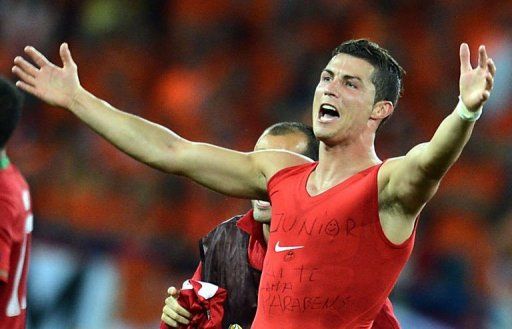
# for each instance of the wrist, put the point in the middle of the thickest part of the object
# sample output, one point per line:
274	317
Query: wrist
466	114
77	99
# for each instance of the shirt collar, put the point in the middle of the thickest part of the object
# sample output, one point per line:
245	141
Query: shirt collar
257	246
4	162
250	226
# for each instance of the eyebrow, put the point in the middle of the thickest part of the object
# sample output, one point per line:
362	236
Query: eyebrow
345	76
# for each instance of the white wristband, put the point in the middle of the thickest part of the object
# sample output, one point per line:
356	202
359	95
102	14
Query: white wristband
466	114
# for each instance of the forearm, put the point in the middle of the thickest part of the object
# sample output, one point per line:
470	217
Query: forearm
143	140
415	178
411	181
222	170
446	145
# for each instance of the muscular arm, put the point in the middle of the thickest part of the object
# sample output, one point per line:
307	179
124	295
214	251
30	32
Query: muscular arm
407	183
223	170
226	171
414	178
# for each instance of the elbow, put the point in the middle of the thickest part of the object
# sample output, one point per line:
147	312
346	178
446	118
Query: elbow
436	164
435	171
167	157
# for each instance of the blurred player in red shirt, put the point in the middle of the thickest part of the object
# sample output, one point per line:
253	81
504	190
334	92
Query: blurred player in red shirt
15	219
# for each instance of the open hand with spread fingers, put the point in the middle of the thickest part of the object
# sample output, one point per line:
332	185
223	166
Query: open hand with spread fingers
43	79
475	83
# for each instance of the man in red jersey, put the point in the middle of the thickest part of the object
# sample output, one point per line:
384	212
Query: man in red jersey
343	227
232	254
15	218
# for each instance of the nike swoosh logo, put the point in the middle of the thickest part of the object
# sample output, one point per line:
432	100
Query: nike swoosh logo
278	248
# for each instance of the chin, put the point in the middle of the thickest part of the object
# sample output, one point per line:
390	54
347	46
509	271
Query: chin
261	217
324	136
322	131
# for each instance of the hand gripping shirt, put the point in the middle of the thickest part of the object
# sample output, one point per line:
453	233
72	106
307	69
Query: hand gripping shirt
228	257
15	235
328	264
232	258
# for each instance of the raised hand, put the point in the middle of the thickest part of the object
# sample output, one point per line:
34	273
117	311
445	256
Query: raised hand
475	83
54	85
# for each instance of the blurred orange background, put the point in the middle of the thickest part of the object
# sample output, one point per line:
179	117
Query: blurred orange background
221	71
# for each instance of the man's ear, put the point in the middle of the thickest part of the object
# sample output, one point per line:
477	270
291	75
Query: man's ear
381	110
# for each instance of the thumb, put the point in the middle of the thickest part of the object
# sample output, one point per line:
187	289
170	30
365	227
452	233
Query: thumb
173	291
65	55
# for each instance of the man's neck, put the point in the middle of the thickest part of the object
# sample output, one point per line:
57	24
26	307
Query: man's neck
4	160
338	163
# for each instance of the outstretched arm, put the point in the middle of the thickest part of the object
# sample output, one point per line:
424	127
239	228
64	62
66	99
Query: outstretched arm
226	171
410	181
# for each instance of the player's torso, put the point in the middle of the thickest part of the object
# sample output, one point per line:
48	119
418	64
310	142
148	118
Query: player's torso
323	251
14	190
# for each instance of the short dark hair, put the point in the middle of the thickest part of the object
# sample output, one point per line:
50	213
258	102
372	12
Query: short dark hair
11	101
388	74
284	128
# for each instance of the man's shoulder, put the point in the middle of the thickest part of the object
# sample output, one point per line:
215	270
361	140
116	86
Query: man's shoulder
225	239
290	172
227	227
228	223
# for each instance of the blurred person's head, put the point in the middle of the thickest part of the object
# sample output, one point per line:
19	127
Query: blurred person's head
359	88
11	101
291	136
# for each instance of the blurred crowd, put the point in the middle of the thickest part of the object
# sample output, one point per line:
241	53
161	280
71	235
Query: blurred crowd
111	234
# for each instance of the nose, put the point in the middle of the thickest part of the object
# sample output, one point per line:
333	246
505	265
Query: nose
330	89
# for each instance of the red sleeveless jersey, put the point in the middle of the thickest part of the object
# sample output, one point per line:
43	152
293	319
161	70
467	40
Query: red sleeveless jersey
328	264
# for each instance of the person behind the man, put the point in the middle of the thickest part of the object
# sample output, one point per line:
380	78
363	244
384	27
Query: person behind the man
15	218
232	253
342	228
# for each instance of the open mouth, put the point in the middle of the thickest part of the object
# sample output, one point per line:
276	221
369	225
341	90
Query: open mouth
328	113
